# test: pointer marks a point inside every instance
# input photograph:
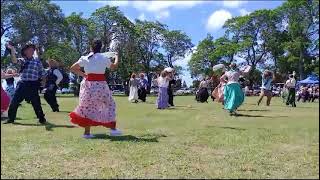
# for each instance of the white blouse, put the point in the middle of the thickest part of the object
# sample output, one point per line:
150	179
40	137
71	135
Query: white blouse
96	64
163	82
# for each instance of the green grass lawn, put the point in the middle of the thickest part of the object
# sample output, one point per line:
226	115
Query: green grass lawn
193	140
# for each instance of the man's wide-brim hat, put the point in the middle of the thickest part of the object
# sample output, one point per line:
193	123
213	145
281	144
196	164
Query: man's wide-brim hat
27	46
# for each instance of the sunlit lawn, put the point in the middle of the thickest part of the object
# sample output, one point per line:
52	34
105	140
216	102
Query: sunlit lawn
190	141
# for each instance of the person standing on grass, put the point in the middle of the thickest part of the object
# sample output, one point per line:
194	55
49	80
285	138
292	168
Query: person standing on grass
163	83
291	86
203	95
170	73
142	88
5	98
133	84
233	94
10	89
28	87
54	77
96	105
266	88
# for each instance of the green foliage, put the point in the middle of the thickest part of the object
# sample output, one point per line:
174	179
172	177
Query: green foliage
176	44
64	53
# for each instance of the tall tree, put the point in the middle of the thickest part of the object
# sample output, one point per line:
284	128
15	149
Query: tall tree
78	32
176	44
106	23
149	37
302	18
203	58
41	22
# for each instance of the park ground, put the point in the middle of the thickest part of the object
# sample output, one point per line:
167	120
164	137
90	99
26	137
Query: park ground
192	140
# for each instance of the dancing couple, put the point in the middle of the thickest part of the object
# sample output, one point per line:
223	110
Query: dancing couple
165	83
138	88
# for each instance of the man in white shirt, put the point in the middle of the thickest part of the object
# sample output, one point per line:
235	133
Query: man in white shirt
291	86
54	77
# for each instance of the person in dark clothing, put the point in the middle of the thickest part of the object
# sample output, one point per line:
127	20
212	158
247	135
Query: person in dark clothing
203	95
54	77
291	86
142	88
172	82
28	86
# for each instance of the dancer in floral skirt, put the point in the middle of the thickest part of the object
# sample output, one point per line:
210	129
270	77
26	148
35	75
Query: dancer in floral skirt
96	105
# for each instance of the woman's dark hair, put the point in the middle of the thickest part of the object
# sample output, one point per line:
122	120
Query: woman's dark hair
96	46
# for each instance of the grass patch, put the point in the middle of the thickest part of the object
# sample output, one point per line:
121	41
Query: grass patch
192	140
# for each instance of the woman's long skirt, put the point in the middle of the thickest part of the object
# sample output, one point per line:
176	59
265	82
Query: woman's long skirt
133	95
5	100
202	95
233	96
96	105
162	100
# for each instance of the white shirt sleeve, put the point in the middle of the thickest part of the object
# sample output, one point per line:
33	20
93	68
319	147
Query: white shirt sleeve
81	61
59	75
108	56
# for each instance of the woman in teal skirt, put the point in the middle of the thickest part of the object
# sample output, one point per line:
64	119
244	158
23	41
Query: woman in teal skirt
233	94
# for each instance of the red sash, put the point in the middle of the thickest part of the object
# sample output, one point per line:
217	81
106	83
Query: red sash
96	77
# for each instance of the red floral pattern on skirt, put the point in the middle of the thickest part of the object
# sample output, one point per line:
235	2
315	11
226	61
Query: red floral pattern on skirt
96	105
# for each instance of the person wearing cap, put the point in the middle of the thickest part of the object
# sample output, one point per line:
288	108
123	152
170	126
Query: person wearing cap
54	77
28	86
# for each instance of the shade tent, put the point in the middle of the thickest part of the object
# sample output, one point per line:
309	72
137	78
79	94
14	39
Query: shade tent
311	79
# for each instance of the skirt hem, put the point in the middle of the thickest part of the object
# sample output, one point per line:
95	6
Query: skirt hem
84	122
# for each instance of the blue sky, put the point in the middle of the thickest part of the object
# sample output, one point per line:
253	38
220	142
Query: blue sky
195	18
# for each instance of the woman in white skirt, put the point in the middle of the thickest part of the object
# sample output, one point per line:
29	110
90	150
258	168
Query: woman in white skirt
133	83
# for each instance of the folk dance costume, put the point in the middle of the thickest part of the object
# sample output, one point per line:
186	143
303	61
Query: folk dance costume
218	91
133	96
5	99
54	77
162	100
233	94
142	88
28	85
96	105
203	95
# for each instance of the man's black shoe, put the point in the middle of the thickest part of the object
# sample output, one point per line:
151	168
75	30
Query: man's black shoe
42	120
9	122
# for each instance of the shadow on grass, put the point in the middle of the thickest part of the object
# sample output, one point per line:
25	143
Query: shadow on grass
247	115
223	127
251	110
48	126
129	138
172	108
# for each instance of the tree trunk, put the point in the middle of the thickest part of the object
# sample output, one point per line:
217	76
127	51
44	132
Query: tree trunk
301	68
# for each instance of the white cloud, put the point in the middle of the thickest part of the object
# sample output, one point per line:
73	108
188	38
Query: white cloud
162	14
232	3
160	9
244	12
156	6
112	3
142	17
217	19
